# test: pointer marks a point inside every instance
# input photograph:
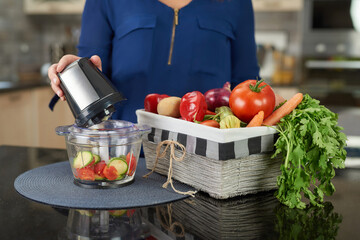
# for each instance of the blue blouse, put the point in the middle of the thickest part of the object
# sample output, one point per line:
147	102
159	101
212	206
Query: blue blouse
147	47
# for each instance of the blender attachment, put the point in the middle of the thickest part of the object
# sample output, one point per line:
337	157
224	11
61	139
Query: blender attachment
89	94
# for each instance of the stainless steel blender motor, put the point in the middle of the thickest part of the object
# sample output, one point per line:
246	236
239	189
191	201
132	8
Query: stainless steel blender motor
90	95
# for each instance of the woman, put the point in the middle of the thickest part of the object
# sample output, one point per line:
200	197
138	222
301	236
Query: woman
166	46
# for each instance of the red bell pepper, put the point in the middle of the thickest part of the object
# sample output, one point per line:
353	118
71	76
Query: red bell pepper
193	106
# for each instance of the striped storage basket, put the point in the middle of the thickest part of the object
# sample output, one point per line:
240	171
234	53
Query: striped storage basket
221	162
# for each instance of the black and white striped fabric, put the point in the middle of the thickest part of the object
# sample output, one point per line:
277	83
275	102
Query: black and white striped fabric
216	150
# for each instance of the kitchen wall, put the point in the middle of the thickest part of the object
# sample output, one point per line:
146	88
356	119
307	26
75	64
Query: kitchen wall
29	41
282	30
287	22
25	40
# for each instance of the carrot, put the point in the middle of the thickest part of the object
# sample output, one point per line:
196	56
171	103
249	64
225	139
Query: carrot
284	110
257	120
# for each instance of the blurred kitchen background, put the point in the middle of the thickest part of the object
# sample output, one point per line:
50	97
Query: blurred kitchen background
311	46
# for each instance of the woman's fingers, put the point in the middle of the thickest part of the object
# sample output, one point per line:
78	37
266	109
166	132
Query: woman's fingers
52	74
54	80
96	61
66	60
60	66
55	69
58	91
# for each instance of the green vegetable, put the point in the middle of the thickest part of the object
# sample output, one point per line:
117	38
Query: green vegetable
309	223
120	164
226	118
82	159
278	106
96	158
223	111
88	213
313	145
229	121
210	117
117	213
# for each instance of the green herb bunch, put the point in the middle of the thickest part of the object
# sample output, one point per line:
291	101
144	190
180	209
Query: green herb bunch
309	223
312	145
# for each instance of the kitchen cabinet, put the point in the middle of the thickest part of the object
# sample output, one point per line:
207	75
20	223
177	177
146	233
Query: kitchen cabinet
47	120
17	119
26	120
277	5
77	6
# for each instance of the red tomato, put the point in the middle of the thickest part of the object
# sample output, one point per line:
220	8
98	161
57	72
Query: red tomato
85	174
211	123
99	167
151	101
91	165
130	212
250	97
193	106
110	172
131	163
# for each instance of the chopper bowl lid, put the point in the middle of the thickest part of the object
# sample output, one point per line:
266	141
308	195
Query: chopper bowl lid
118	128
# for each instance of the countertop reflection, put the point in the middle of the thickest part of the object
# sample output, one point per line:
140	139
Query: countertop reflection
257	216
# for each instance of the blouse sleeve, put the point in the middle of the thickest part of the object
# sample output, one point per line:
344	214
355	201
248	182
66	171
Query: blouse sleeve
244	60
96	33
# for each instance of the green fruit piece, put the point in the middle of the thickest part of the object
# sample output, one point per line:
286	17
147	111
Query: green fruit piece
85	212
119	164
120	177
117	213
98	177
82	159
96	158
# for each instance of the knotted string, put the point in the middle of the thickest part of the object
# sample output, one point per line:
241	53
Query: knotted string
167	222
171	144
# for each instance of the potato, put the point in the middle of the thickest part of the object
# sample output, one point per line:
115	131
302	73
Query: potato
169	106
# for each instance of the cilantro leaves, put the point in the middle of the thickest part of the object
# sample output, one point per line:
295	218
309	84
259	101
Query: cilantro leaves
313	145
309	223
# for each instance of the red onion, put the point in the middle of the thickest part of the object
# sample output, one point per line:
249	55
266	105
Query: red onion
227	86
217	97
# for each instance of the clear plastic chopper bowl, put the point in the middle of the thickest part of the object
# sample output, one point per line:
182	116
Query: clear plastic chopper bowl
104	155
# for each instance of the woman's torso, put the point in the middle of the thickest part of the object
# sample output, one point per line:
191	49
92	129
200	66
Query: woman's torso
152	55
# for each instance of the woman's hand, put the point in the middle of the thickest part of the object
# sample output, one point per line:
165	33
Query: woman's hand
60	66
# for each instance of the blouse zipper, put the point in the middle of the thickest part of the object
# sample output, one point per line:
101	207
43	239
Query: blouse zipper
175	23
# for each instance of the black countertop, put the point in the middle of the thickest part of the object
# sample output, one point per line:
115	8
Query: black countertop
257	216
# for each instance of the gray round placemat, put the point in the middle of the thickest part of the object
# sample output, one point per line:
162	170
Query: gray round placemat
53	185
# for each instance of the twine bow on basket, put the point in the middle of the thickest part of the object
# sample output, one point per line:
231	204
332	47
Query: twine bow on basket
166	221
172	144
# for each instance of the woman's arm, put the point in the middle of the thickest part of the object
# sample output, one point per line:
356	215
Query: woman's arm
97	33
95	39
244	60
